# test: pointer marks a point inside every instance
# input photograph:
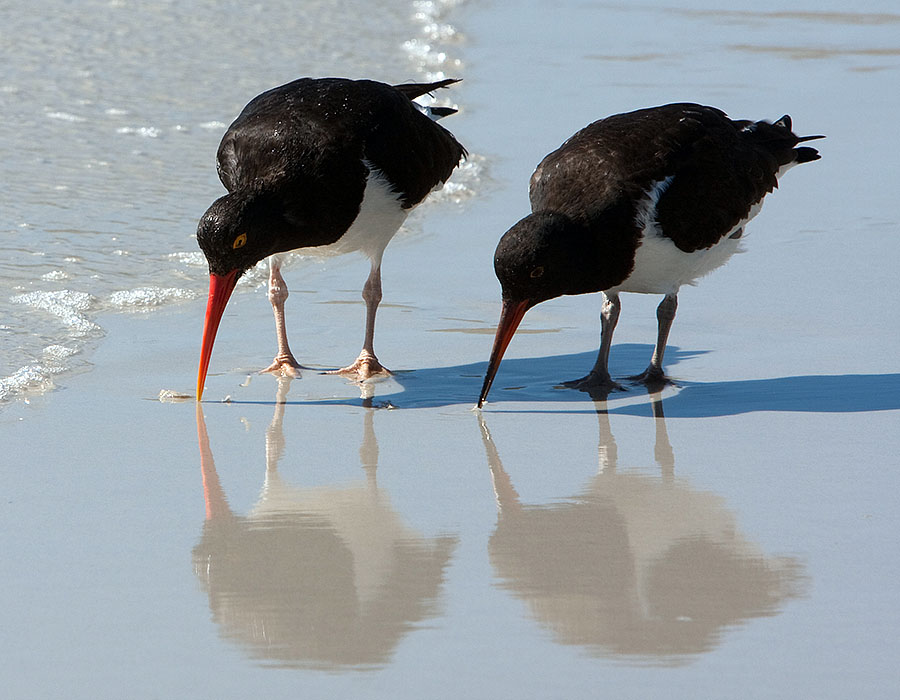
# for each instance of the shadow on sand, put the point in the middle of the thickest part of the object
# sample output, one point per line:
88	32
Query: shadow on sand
537	380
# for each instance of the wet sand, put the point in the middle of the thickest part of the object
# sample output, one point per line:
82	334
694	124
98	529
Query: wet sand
732	537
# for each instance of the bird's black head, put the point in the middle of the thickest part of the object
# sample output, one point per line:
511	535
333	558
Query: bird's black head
233	235
545	255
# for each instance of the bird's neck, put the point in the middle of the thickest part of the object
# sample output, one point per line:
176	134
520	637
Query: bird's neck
299	222
612	236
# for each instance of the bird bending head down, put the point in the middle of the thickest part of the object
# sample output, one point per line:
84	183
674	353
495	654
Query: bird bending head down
645	202
327	163
233	242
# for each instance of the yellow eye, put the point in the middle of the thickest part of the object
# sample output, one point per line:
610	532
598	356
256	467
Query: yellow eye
537	272
240	241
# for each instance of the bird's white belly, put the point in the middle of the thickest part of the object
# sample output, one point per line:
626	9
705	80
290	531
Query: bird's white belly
380	215
660	267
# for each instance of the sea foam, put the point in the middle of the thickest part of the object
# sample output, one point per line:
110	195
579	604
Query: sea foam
148	298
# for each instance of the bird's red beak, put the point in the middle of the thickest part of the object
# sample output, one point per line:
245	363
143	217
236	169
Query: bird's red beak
510	317
220	288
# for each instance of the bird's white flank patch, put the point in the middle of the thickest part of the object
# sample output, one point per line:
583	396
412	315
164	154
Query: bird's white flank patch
660	267
380	215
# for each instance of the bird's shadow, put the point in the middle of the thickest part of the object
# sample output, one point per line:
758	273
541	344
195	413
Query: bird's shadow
536	380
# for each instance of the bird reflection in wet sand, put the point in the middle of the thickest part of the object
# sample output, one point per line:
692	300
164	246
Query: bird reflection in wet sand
634	565
321	577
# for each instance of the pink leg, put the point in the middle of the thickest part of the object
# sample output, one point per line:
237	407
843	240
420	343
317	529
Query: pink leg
284	362
367	365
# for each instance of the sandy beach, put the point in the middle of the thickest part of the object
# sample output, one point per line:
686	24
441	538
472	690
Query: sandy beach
731	537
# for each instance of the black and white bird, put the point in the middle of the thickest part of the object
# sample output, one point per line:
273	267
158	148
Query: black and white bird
329	164
646	202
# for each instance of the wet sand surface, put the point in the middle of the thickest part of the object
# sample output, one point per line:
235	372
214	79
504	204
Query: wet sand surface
733	536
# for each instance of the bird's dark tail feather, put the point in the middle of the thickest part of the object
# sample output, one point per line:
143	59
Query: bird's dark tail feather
414	90
440	112
805	154
778	138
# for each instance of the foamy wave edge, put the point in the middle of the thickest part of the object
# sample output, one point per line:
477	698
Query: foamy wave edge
36	379
72	310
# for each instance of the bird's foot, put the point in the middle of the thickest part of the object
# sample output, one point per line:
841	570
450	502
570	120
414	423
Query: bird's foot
283	365
366	367
653	378
595	384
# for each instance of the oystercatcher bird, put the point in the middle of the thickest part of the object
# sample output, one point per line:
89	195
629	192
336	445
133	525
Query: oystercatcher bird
333	165
646	202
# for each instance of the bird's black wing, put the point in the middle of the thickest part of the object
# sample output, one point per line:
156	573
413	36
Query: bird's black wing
312	142
413	152
301	145
414	90
288	132
714	169
619	156
722	175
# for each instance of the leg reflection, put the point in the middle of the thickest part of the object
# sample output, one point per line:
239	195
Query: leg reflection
635	564
321	576
662	449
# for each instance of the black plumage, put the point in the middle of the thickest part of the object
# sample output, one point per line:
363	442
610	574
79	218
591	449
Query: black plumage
297	162
296	159
643	201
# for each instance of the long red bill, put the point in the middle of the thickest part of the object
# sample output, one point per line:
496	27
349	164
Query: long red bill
510	317
220	288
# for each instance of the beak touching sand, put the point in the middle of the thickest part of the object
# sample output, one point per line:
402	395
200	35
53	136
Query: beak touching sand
510	316
220	289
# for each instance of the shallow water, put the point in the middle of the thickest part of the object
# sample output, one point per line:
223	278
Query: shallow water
112	116
731	537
